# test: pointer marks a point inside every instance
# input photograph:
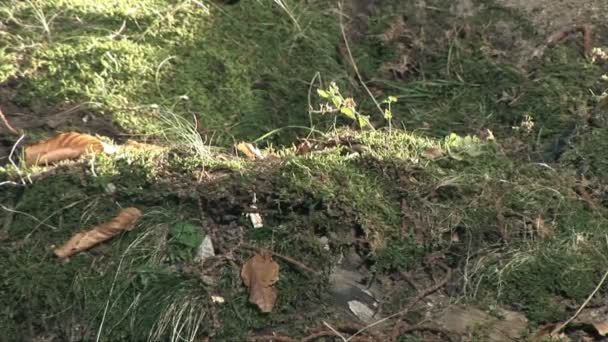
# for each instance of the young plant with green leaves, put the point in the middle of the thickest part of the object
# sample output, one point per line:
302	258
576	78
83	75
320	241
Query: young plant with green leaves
337	103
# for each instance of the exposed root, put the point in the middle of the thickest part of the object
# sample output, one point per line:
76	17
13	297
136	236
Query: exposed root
273	338
285	258
435	330
421	295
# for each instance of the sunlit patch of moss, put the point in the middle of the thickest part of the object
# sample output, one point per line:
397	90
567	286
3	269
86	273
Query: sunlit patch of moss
99	70
341	185
127	57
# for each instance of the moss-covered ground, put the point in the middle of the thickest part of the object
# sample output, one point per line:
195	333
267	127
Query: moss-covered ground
519	219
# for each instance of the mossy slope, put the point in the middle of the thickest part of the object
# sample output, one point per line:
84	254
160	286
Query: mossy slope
139	284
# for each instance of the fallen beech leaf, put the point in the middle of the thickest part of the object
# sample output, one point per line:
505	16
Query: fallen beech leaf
250	151
259	274
61	147
601	327
125	220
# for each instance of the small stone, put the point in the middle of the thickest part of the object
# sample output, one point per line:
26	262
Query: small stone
204	250
256	220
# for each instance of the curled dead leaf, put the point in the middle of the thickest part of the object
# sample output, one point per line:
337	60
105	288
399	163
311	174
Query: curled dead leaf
63	146
259	274
125	220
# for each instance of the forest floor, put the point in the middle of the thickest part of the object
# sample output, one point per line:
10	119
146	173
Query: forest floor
429	170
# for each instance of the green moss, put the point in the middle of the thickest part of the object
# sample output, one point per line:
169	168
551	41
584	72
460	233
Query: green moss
400	254
243	69
346	191
538	282
473	79
588	154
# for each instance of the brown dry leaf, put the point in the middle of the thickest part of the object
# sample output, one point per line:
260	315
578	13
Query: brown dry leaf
259	274
601	327
125	220
250	151
63	146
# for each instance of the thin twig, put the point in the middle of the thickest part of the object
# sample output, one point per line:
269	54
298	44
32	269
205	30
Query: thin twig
276	338
423	294
412	302
10	158
411	329
285	258
8	125
28	215
597	288
336	332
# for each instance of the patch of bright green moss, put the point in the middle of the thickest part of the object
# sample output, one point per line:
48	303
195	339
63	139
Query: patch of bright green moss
242	70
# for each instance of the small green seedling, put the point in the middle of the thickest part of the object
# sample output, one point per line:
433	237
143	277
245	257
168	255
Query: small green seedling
338	104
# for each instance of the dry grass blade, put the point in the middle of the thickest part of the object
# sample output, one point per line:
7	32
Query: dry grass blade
8	125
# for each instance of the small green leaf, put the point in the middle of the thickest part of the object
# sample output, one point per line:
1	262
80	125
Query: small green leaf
323	93
363	120
337	101
349	112
392	99
186	234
